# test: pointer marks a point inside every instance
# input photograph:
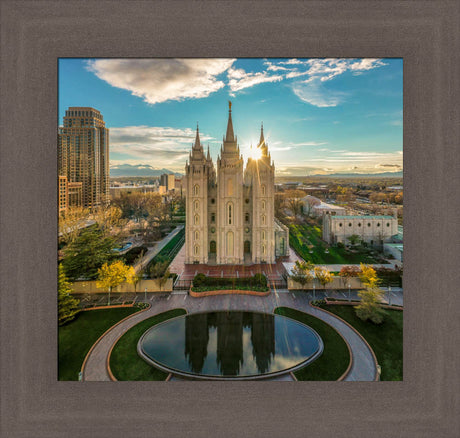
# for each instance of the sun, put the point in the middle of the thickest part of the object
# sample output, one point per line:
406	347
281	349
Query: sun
255	153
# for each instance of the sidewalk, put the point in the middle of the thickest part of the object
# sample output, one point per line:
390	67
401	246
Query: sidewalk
152	252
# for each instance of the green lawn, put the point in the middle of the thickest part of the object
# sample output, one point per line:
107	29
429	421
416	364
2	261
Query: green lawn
303	235
77	337
386	339
335	358
125	363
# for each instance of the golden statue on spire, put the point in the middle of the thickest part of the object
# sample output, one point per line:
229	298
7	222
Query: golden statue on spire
229	105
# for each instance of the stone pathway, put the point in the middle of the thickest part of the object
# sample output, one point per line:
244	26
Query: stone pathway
363	368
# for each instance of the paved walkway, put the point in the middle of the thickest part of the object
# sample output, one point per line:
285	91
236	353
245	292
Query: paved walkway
152	252
363	368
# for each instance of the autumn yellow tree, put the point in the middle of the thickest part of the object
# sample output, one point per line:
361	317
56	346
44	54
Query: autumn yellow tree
110	276
302	272
323	275
369	307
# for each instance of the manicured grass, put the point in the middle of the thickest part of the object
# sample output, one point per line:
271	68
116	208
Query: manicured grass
385	339
300	236
125	363
77	337
335	358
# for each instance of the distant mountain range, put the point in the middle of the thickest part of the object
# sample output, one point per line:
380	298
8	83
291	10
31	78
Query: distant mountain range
137	170
366	175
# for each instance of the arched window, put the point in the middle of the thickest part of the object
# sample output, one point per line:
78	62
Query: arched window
197	220
230	213
262	189
263	219
263	249
197	235
230	243
197	250
263	235
196	190
213	218
197	205
378	224
246	218
263	205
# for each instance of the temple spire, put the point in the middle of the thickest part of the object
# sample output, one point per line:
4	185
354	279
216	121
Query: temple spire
209	155
262	139
197	138
230	137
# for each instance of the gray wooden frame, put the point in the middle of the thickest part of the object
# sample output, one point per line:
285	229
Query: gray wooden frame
35	33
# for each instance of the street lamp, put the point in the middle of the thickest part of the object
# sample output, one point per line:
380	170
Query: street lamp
145	294
314	296
349	292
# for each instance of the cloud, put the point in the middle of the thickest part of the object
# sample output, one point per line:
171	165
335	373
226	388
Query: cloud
239	79
316	94
151	145
389	166
160	80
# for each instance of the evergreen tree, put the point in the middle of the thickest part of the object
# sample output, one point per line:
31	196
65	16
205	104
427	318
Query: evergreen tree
87	253
67	304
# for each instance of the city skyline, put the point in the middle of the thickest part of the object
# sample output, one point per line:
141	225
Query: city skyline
321	116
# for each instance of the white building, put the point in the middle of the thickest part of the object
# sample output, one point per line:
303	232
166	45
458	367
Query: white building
314	206
230	213
375	230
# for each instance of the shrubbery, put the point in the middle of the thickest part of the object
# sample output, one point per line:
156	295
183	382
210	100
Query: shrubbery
257	282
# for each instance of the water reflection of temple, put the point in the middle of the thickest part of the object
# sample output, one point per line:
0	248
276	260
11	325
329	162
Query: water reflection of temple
230	349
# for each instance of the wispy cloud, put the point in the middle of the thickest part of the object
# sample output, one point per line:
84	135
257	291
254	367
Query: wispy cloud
239	79
160	80
314	93
156	146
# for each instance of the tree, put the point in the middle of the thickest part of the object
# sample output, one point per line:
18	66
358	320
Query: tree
369	307
110	276
294	200
302	272
323	275
87	253
164	278
134	279
354	239
347	272
109	219
70	223
67	304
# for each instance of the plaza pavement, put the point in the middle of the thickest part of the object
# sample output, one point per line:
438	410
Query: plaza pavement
363	367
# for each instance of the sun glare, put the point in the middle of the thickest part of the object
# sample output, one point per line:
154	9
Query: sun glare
255	153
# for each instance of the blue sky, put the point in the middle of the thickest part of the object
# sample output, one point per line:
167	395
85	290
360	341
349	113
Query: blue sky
320	115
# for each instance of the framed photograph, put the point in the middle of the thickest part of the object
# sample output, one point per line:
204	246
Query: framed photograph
218	222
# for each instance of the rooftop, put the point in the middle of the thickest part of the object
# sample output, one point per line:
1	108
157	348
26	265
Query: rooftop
362	217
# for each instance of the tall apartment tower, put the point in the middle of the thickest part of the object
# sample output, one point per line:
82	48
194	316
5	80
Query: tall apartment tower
83	150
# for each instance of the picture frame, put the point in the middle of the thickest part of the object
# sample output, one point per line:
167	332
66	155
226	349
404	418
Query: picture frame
36	34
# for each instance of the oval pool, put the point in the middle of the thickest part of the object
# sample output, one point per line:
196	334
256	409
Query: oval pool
230	345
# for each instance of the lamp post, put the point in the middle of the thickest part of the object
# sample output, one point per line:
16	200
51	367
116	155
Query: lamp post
389	295
145	294
349	292
314	296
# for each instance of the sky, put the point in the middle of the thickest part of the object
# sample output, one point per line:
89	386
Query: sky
320	115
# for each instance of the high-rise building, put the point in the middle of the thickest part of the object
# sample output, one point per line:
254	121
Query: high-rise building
168	180
83	149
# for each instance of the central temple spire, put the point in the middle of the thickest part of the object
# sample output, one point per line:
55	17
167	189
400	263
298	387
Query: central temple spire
230	137
197	144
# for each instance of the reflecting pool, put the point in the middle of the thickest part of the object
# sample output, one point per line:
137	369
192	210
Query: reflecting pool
230	345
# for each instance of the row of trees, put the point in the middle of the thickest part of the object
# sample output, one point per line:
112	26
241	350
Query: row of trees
371	296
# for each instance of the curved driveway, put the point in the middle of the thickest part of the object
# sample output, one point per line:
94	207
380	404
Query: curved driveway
363	367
